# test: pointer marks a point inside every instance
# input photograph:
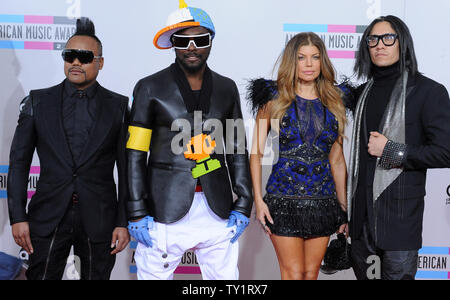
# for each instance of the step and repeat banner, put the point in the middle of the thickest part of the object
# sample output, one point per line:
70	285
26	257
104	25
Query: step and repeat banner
250	37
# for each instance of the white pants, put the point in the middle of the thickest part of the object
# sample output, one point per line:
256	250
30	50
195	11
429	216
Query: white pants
201	230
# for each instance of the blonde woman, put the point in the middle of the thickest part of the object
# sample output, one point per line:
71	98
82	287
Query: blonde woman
305	200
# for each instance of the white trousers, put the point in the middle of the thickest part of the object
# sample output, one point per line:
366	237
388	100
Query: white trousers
200	230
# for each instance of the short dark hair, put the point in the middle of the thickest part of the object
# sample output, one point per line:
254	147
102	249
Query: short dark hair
363	64
85	27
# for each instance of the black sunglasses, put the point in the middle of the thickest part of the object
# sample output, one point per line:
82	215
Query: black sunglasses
388	39
183	42
84	56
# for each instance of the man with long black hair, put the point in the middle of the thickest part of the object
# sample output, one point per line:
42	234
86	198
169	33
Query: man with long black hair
400	130
78	129
181	201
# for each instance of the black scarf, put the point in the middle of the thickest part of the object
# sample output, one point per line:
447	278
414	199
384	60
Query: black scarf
190	100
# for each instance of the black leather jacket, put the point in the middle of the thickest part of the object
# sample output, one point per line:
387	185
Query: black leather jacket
163	187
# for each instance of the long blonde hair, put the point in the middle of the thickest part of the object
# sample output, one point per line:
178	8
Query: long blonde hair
327	91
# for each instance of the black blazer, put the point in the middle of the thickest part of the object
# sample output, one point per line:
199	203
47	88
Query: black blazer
398	216
40	127
164	187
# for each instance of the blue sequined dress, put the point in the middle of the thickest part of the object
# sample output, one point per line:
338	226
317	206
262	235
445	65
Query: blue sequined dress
301	193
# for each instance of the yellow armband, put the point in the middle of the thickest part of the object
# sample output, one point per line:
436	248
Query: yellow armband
139	138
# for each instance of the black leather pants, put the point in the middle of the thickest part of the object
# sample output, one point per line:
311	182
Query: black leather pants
370	262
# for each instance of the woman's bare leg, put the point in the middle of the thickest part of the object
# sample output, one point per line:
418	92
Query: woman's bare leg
291	258
315	249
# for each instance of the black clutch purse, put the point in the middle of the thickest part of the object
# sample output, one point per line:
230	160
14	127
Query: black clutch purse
337	256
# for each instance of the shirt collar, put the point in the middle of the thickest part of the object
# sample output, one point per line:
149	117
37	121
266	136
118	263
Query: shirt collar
71	90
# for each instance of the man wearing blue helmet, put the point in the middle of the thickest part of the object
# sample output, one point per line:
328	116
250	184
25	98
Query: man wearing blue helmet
181	197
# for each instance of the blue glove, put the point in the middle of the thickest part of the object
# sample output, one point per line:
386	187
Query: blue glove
139	230
241	221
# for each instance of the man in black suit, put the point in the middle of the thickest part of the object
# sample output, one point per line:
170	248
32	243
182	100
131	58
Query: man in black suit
400	130
180	202
79	130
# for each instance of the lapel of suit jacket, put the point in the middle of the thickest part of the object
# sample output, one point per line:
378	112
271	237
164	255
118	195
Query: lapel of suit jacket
409	88
104	117
54	123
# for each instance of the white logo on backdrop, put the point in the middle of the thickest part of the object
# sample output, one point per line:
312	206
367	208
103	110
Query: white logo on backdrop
74	10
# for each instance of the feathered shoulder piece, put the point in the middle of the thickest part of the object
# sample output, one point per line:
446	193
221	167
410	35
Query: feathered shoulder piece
259	92
348	94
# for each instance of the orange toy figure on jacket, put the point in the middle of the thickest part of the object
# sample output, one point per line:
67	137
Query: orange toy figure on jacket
199	149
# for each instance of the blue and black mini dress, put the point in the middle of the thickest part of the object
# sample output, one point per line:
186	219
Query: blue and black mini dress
300	191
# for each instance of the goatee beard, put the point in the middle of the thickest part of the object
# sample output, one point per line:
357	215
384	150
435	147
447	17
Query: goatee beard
191	69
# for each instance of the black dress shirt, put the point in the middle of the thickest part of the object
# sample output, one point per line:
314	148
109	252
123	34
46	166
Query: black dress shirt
79	112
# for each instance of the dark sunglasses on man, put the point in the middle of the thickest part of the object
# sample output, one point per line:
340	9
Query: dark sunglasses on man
183	42
84	56
388	39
